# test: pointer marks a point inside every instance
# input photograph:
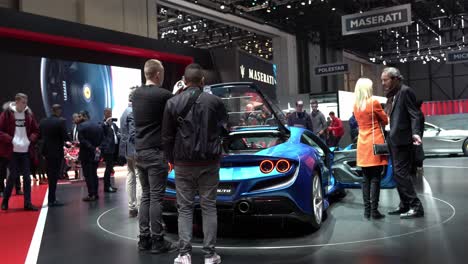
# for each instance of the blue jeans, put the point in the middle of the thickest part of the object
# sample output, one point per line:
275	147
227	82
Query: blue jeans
189	181
19	165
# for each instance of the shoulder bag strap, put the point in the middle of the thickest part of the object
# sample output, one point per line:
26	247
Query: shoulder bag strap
188	106
373	134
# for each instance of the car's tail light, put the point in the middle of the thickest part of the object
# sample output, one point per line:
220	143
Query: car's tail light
170	167
283	166
267	166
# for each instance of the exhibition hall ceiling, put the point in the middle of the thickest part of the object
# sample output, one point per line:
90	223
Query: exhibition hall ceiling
437	26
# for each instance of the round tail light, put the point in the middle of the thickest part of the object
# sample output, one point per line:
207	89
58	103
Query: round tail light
283	166
267	166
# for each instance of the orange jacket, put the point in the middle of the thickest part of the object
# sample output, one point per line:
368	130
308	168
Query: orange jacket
365	149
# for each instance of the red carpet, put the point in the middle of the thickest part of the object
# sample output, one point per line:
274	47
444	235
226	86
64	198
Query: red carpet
17	226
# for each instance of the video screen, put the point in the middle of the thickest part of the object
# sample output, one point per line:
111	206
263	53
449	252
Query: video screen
81	86
75	85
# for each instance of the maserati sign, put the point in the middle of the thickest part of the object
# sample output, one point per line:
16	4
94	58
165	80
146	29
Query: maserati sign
384	18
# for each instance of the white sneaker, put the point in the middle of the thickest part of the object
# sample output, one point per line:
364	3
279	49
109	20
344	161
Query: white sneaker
184	259
215	259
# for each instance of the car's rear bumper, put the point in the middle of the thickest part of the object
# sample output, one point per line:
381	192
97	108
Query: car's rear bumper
250	209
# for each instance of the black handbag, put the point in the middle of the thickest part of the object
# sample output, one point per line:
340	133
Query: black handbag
379	149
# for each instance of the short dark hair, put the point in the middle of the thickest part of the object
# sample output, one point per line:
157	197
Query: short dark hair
193	73
331	113
84	114
56	107
313	101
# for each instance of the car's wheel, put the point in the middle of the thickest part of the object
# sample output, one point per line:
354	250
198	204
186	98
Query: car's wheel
465	147
317	201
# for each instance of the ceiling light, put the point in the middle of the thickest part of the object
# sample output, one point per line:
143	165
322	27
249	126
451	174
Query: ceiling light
333	9
222	7
288	6
302	3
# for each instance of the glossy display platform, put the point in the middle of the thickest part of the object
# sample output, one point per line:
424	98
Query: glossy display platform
102	232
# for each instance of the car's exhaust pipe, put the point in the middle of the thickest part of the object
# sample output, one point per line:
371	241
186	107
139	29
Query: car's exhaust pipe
244	207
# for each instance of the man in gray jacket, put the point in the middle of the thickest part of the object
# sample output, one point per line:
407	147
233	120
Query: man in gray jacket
127	151
319	123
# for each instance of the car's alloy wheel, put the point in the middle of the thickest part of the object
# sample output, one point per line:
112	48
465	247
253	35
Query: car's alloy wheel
465	147
317	201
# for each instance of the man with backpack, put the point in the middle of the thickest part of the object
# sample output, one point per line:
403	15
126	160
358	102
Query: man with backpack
192	129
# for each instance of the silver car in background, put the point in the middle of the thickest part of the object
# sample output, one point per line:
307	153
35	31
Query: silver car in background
437	141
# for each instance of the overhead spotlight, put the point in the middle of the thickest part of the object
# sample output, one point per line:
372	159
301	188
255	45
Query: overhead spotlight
222	7
268	10
288	6
303	3
333	9
384	62
360	11
310	2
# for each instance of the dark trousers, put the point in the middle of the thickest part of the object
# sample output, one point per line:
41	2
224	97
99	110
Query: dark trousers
54	169
19	165
371	188
152	169
3	175
90	174
402	162
109	160
190	181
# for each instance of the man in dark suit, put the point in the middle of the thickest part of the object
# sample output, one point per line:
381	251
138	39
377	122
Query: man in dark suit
54	134
90	135
109	147
405	130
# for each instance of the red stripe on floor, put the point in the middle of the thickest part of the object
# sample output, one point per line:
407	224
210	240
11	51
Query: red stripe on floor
17	226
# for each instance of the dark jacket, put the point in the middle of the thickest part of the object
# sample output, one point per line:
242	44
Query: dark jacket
405	118
7	132
148	107
197	139
300	119
127	134
53	136
108	144
90	135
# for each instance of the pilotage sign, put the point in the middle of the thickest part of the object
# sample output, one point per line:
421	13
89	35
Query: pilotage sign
459	56
395	16
331	69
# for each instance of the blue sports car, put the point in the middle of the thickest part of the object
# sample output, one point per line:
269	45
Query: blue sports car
270	171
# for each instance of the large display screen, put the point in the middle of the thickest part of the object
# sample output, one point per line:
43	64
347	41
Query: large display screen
75	85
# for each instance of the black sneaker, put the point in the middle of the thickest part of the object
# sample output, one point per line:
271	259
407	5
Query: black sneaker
162	246
133	213
5	204
144	243
30	207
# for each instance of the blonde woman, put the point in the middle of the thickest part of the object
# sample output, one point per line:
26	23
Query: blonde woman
370	116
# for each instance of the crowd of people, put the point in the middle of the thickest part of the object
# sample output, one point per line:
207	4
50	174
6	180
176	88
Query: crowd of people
330	131
159	130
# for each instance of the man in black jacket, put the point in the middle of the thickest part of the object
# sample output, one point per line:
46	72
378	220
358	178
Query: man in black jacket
109	147
405	130
193	122
54	133
148	106
90	135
